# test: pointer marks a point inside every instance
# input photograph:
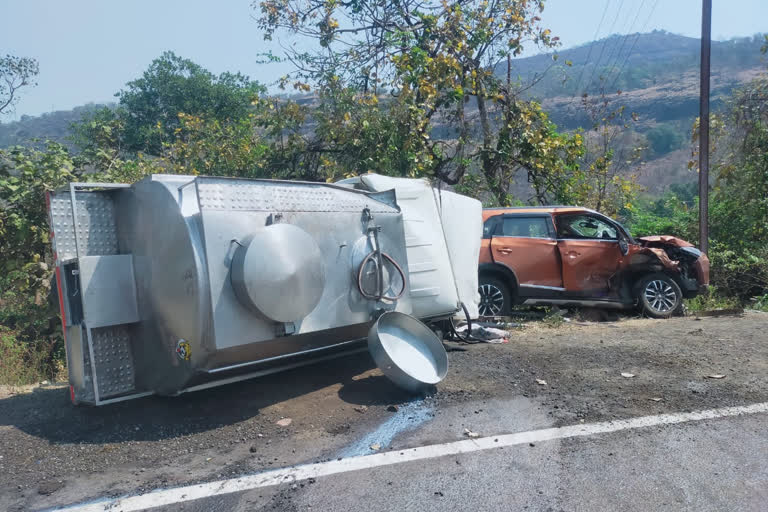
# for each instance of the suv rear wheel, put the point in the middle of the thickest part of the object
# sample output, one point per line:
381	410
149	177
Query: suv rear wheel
495	298
659	295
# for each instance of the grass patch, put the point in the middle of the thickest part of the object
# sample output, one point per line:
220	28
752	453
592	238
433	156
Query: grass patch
711	301
25	363
554	318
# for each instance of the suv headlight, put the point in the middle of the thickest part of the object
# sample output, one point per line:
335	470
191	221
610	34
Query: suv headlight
692	251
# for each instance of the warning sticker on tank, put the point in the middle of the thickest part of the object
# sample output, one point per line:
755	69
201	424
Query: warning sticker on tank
183	350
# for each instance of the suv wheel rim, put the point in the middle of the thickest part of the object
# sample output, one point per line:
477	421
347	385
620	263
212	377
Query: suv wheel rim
491	300
660	296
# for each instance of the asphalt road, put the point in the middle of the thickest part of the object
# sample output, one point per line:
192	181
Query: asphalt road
714	465
54	455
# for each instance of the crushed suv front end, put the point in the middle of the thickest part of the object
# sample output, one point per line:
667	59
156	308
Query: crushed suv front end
681	257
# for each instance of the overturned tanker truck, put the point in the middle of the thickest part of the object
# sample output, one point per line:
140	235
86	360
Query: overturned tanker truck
180	283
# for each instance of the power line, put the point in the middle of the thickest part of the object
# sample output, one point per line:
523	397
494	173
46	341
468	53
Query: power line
624	39
591	47
605	43
634	43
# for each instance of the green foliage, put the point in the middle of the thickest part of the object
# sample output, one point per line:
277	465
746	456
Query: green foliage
26	316
434	59
25	176
150	105
712	300
664	138
215	148
738	208
760	303
668	215
554	318
25	363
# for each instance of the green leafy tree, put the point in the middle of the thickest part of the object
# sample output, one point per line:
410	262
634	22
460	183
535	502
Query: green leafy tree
150	105
607	179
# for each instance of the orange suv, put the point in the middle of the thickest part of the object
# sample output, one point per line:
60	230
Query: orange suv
571	256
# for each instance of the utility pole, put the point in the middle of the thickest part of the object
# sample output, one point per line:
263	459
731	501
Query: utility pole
706	43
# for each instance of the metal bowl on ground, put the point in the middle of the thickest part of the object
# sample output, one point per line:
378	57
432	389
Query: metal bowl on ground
407	351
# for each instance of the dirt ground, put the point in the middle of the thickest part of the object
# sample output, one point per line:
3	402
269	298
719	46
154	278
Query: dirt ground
54	453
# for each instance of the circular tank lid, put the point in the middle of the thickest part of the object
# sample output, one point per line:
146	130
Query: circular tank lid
407	351
279	272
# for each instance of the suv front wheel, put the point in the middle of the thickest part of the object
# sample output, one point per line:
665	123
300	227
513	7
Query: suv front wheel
495	298
659	295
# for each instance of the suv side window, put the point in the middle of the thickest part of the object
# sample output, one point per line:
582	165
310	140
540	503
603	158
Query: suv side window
527	227
585	227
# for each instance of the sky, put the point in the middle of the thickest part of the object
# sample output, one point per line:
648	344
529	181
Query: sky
89	49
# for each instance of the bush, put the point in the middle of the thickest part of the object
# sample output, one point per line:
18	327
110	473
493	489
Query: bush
760	303
32	346
26	363
711	300
664	138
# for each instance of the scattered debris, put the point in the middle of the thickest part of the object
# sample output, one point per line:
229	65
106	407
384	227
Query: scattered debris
627	375
715	376
375	447
484	334
253	449
470	434
284	422
501	325
393	408
656	399
541	382
438	493
361	409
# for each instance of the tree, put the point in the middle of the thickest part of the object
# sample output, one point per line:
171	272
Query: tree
15	73
606	181
664	138
150	106
431	67
741	170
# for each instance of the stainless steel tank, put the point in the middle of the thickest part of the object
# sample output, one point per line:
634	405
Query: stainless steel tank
181	282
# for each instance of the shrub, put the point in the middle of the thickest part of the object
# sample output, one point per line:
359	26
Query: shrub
26	363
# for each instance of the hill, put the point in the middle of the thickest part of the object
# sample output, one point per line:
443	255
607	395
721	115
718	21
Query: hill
52	125
657	74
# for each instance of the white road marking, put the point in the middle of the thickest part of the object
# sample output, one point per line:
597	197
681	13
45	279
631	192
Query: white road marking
164	497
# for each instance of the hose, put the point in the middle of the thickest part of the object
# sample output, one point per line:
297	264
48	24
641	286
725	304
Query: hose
468	338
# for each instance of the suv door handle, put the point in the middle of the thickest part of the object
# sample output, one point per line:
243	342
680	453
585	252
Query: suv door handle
573	254
505	250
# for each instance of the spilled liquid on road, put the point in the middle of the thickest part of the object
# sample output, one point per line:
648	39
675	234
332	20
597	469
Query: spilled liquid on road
408	417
